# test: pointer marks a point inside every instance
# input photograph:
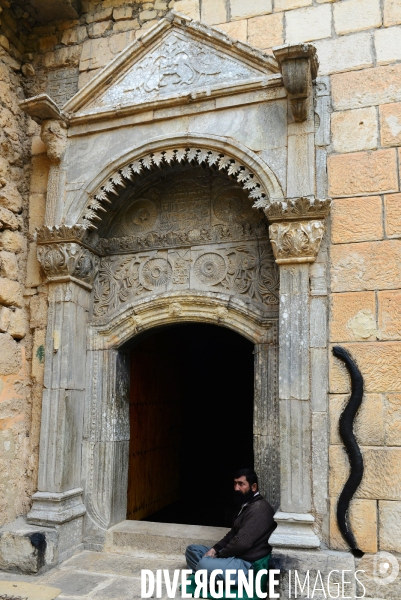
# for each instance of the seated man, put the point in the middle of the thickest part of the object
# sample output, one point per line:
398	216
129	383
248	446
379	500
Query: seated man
247	541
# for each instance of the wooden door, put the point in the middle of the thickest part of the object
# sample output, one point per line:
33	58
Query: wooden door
153	476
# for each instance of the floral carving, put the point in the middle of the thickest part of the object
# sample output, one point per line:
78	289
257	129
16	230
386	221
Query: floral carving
179	64
296	208
296	241
245	270
66	260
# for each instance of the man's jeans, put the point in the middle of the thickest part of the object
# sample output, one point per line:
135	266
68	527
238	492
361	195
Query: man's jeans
196	561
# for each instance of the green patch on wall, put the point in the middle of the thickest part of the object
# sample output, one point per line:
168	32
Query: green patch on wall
40	353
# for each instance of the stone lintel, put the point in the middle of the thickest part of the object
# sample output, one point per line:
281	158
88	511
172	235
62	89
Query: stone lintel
294	530
56	508
299	65
42	108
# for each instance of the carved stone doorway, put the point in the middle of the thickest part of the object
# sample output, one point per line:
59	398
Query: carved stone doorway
191	422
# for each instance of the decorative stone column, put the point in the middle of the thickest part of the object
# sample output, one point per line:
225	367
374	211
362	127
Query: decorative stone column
70	268
296	230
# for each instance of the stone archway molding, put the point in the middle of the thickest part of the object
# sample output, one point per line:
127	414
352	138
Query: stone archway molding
106	423
255	176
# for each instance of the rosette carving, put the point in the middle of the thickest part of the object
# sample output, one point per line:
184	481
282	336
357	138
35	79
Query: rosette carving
68	260
296	241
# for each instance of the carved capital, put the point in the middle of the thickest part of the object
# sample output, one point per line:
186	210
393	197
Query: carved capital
68	261
304	207
299	65
296	241
54	135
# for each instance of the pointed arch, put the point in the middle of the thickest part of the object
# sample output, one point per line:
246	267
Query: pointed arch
249	170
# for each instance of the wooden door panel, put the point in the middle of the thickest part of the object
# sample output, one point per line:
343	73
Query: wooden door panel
153	480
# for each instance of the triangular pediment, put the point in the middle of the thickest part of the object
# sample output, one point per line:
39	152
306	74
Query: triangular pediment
175	58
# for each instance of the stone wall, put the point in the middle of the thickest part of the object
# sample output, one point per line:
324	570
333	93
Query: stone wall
359	47
20	395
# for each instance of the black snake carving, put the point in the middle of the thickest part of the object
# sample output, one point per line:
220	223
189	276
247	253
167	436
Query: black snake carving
351	445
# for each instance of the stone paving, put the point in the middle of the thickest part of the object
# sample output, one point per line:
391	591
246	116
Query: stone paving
101	575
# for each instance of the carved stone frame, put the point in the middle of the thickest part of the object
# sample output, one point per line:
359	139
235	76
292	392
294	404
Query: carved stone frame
77	401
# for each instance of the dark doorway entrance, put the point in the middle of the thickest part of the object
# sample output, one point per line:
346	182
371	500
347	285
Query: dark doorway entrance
191	414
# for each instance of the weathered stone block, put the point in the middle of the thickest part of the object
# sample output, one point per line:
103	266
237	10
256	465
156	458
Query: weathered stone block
363	519
75	35
290	4
10	292
37	209
369	421
63	57
392	203
126	25
10	198
40	174
99	29
214	12
8	265
33	272
19	325
10	355
385	461
122	12
388	45
390	124
99	15
366	266
390	525
13	241
363	173
368	87
38	355
356	219
27	548
190	8
266	31
379	362
354	130
392	420
344	54
352	317
307	24
252	8
236	29
38	311
147	15
96	53
356	15
7	219
392	12
86	76
5	315
389	315
37	146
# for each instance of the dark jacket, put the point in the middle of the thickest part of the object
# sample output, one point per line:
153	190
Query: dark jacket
248	538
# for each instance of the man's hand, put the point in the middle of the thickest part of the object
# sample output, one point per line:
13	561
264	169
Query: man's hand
212	553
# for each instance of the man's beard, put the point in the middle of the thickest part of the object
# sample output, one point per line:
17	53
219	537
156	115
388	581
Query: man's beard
242	498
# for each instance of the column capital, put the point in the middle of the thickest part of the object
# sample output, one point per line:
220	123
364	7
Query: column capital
64	255
297	228
54	134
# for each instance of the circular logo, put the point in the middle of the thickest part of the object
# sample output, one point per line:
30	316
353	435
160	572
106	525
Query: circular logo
210	268
156	273
385	568
141	215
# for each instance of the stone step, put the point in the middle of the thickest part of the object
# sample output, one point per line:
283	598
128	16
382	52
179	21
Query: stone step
143	538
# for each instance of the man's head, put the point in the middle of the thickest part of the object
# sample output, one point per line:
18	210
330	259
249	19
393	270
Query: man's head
245	485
